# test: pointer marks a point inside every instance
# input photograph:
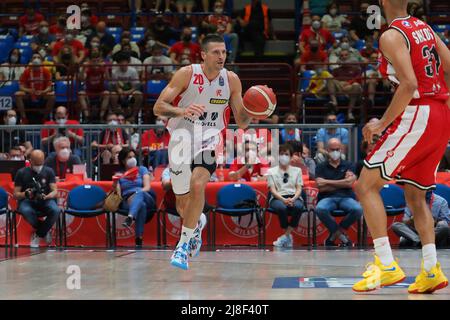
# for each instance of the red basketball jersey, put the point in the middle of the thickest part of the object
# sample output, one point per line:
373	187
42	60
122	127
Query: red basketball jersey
421	42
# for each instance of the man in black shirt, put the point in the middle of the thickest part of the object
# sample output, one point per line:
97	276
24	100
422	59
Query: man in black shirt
35	190
358	26
334	179
11	137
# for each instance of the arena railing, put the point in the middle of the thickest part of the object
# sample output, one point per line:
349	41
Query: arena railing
90	156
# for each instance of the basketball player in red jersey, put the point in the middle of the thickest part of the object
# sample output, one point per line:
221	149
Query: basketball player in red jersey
198	101
417	122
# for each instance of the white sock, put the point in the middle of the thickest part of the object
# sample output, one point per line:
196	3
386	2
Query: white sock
383	250
186	235
201	221
429	256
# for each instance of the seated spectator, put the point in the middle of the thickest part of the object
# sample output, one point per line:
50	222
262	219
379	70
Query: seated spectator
35	85
86	11
69	40
333	21
409	237
43	38
125	82
312	54
347	78
16	154
155	72
185	49
358	27
66	68
291	133
107	41
375	81
324	135
94	73
444	165
109	139
222	24
32	205
134	61
322	84
161	30
366	148
126	40
138	197
58	28
47	60
250	167
12	135
76	135
88	21
301	158
262	137
285	185
368	50
10	71
155	143
335	53
324	37
29	22
62	160
334	179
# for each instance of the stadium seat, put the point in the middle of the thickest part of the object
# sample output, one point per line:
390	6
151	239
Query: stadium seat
62	91
228	198
9	89
9	39
393	199
137	37
305	79
26	38
443	191
441	27
137	30
116	30
116	37
5	210
25	55
154	88
86	201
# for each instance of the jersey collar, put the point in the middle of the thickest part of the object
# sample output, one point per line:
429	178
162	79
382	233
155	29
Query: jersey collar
399	18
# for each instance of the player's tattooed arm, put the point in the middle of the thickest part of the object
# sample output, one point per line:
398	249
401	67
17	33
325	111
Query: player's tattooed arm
444	55
240	115
178	84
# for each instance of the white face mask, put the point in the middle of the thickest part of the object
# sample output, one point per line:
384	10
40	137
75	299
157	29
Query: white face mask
61	121
64	154
36	61
113	123
37	169
43	53
284	160
333	12
159	122
12	121
16	158
132	162
14	59
316	25
335	155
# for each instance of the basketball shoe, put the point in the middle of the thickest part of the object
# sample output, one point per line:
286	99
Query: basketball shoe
196	241
428	282
180	257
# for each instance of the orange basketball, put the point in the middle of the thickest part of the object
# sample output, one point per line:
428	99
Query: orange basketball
260	101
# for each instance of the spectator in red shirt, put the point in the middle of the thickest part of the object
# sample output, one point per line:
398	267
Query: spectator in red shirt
155	144
222	24
316	31
368	49
75	135
35	84
250	167
312	54
94	73
58	28
185	51
69	39
29	23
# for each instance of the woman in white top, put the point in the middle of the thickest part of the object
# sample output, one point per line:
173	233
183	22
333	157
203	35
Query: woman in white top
333	21
8	72
285	185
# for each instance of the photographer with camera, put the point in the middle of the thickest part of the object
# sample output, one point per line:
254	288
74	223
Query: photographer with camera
35	190
62	160
75	135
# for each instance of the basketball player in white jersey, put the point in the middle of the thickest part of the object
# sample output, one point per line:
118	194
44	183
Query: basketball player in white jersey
197	100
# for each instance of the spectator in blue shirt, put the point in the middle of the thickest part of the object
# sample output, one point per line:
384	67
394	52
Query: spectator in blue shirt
324	135
334	179
137	196
407	232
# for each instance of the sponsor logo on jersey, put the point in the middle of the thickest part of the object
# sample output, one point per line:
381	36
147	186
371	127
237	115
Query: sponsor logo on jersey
219	93
175	172
406	24
218	101
200	90
221	81
390	153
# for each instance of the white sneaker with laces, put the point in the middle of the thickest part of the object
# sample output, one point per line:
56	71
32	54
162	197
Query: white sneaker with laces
34	242
281	241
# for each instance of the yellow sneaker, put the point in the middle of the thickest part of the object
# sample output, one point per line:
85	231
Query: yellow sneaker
428	282
378	275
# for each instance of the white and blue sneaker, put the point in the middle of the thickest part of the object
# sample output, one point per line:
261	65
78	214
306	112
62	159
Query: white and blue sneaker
283	241
180	257
196	241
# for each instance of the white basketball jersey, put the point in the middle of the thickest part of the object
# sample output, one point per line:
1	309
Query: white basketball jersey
215	96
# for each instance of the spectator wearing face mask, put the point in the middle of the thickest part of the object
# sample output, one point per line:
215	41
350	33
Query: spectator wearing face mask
126	40
155	71
324	135
66	69
313	53
107	41
291	134
285	185
77	47
36	85
110	138
335	179
33	206
88	21
333	20
94	73
10	71
161	30
185	47
134	60
16	154
138	197
250	167
358	27
335	53
44	38
323	36
155	143
369	49
62	119
62	160
58	28
29	23
12	136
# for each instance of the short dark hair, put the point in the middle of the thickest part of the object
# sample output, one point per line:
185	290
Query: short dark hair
296	146
122	56
211	37
286	147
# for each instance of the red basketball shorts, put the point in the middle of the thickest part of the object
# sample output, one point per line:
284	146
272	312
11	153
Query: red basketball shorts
413	145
